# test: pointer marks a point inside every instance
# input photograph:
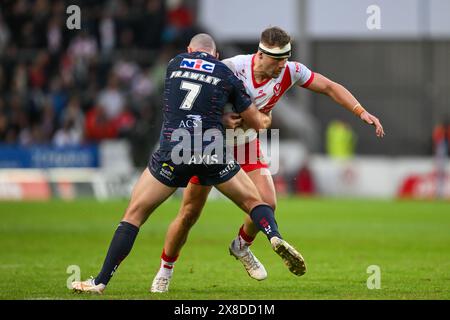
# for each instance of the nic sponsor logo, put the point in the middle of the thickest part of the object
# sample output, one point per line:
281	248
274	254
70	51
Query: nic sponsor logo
197	64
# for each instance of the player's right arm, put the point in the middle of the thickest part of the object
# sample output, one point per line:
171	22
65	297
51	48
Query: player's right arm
318	83
342	96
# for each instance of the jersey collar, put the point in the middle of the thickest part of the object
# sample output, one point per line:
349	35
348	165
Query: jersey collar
255	84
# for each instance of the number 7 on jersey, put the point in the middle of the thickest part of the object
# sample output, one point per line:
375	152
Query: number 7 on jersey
193	90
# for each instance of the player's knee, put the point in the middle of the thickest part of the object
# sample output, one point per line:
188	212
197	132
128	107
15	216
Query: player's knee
269	198
248	204
136	214
252	203
272	204
188	216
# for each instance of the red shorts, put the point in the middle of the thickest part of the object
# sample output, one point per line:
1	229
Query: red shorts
249	163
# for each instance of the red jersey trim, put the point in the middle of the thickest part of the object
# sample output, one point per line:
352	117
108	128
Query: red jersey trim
307	83
255	84
285	84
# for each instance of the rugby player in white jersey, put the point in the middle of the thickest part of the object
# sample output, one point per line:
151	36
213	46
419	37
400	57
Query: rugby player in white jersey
267	75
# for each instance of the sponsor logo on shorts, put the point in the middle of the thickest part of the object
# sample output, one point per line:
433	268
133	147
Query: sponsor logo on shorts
231	165
167	171
168	165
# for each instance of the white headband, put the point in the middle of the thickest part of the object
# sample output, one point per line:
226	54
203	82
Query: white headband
284	52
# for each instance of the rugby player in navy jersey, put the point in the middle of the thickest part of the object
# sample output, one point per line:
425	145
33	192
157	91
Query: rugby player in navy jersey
267	75
197	88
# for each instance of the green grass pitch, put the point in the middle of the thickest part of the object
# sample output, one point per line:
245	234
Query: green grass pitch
340	239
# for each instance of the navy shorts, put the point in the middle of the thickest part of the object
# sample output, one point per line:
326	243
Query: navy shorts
178	175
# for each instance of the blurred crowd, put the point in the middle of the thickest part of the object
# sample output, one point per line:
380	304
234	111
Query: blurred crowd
104	81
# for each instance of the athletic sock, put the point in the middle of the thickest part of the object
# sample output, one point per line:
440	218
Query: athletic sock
264	219
120	247
167	265
242	240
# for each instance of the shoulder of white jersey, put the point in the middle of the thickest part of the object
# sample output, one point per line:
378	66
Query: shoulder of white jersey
238	62
300	73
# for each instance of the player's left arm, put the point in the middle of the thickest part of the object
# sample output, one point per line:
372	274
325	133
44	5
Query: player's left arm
267	119
231	120
342	96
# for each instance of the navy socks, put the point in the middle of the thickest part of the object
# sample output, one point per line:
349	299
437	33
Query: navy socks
119	248
263	217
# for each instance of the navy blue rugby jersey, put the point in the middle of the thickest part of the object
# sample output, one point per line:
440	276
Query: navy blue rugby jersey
197	88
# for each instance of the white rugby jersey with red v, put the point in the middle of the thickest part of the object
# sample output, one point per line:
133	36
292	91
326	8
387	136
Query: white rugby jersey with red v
267	93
